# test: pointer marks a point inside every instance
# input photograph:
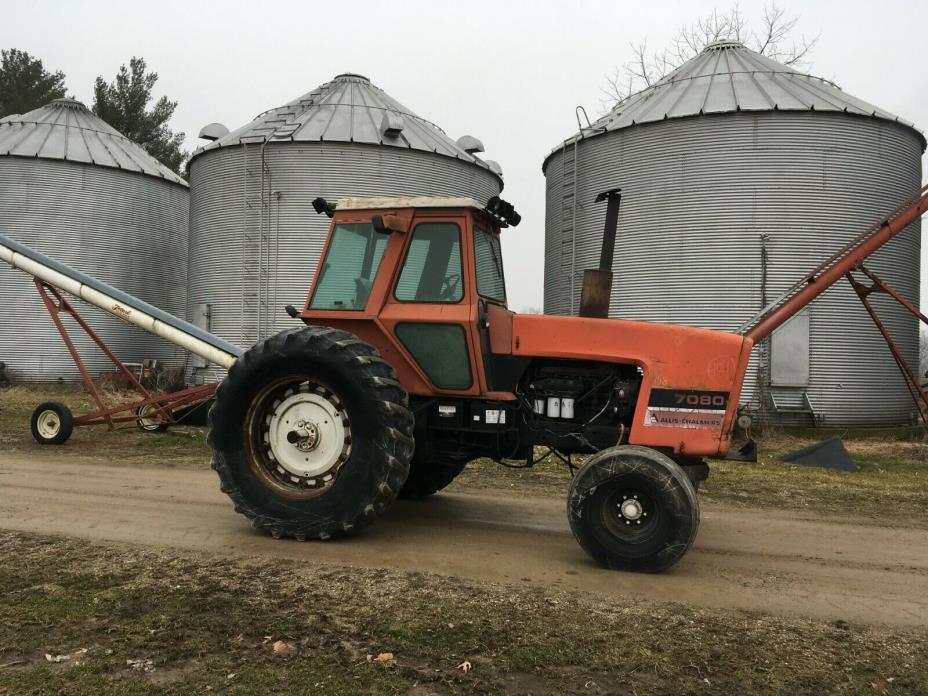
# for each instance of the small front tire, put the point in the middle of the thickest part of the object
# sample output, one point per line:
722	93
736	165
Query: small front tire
633	508
52	423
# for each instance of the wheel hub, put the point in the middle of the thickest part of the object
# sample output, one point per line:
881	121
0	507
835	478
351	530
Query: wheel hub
306	434
631	509
48	424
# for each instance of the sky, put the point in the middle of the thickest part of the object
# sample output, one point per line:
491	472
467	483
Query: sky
510	73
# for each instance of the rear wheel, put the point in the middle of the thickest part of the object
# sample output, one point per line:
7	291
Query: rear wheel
52	423
311	434
149	419
633	508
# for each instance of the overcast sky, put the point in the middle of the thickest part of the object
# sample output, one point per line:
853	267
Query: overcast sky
510	73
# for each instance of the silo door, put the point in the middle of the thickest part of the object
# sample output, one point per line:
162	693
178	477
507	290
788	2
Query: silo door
789	353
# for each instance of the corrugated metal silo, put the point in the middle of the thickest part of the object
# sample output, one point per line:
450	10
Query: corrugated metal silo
76	189
255	238
738	175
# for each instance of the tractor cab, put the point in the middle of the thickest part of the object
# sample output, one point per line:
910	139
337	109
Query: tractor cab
421	279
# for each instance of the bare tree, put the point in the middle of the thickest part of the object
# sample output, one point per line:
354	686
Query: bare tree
774	36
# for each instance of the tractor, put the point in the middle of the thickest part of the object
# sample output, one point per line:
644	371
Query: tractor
410	365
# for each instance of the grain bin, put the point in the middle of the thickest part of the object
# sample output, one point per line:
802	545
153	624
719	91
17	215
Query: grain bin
739	174
255	238
76	189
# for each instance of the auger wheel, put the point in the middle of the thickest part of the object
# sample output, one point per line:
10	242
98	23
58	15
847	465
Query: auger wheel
311	434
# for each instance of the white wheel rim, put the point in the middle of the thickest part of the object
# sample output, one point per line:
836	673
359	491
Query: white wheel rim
148	421
48	424
306	434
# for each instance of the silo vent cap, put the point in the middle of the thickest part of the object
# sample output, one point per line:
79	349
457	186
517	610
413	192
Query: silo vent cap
67	103
391	125
350	77
470	144
722	45
213	131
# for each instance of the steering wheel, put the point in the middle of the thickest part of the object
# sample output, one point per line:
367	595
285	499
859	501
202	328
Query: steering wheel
449	287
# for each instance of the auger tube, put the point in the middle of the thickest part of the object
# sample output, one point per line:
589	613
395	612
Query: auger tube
119	304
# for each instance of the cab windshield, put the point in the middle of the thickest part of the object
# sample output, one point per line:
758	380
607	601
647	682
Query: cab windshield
351	264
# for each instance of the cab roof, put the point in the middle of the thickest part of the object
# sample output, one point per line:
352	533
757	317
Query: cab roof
372	203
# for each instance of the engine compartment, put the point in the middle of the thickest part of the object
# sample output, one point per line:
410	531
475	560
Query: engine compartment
570	406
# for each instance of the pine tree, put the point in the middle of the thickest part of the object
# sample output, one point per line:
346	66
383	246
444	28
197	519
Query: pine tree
25	84
124	105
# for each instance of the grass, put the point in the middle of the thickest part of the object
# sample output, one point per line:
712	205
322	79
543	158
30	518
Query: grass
209	625
891	487
183	446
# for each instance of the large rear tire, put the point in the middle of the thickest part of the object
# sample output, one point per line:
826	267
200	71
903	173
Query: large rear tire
311	434
633	508
428	475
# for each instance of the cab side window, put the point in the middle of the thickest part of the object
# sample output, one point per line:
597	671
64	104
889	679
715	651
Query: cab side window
350	267
432	270
490	280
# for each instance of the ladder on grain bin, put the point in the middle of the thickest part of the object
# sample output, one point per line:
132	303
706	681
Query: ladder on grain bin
151	411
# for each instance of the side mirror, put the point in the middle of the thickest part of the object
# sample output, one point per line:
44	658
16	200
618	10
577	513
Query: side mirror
321	205
387	224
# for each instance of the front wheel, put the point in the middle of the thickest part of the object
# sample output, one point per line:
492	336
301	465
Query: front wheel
311	434
52	423
633	508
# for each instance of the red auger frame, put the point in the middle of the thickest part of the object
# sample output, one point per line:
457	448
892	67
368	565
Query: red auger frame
844	264
151	412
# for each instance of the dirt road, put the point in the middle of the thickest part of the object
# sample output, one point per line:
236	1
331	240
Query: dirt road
775	562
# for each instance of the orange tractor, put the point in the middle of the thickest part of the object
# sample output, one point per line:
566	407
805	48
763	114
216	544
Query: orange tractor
411	366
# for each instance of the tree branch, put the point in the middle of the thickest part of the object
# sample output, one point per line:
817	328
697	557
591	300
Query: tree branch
775	37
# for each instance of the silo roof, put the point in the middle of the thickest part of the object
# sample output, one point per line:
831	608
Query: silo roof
65	129
725	77
347	109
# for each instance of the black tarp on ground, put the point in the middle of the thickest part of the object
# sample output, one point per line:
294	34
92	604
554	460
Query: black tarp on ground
829	454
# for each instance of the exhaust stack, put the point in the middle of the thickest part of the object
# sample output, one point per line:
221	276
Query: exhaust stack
597	282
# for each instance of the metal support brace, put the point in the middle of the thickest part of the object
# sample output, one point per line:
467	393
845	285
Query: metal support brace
164	404
918	391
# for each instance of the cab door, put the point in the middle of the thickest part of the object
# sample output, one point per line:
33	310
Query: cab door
494	320
431	311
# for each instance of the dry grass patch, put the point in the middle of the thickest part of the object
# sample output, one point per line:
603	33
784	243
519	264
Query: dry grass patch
179	446
139	621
